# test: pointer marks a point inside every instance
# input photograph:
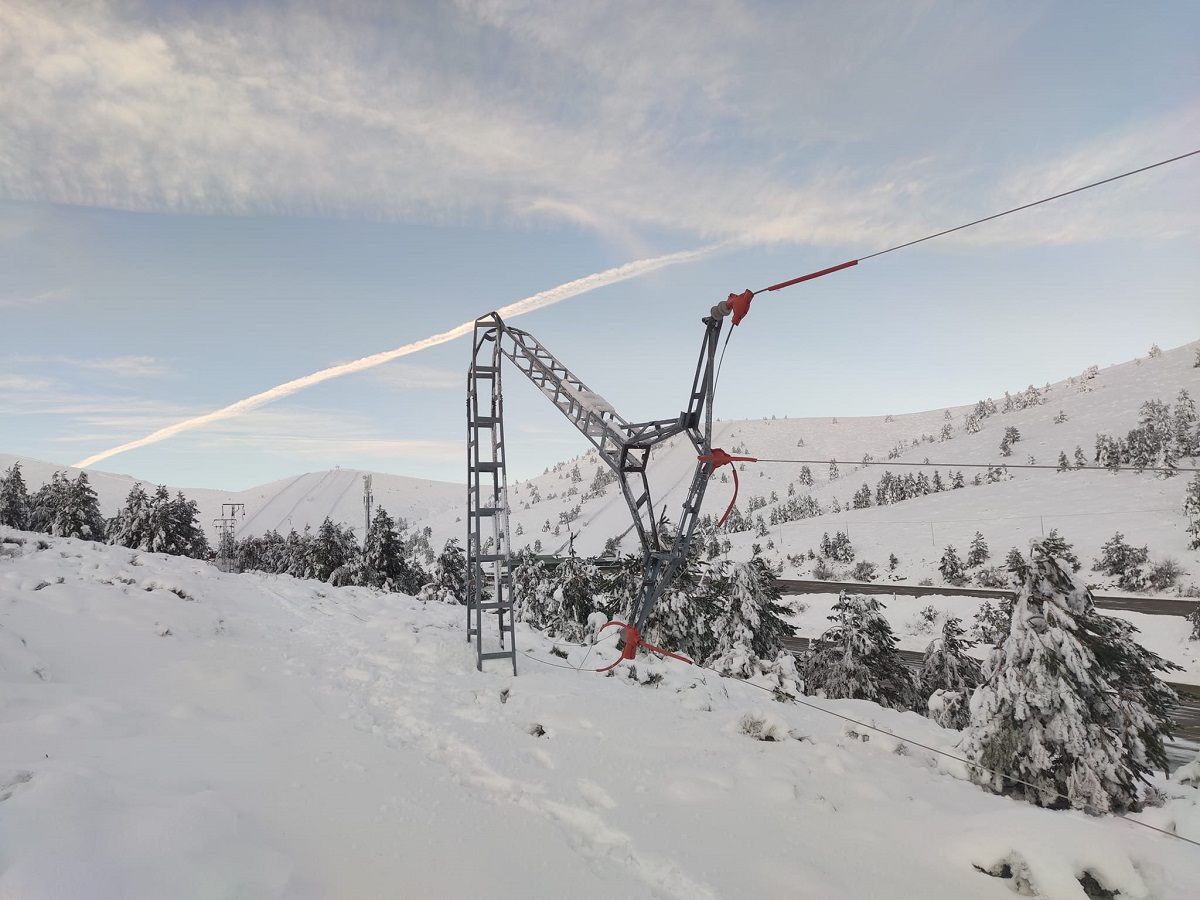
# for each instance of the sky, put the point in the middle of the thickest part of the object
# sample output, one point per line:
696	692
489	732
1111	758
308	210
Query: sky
200	201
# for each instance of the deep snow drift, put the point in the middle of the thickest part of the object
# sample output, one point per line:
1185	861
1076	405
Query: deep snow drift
170	731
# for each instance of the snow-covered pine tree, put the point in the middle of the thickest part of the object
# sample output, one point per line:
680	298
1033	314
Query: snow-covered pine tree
748	627
1080	460
1064	464
531	589
449	582
14	499
1057	546
130	527
1072	712
385	564
1123	561
951	567
66	508
575	585
978	553
857	658
1185	435
948	676
1011	436
1191	509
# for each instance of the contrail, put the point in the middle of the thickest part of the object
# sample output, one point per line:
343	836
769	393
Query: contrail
529	304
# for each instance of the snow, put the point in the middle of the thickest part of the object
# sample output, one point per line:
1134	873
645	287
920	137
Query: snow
270	737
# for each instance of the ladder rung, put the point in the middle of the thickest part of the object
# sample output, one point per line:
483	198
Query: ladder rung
491	557
494	604
502	654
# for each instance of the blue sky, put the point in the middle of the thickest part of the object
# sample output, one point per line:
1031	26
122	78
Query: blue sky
200	201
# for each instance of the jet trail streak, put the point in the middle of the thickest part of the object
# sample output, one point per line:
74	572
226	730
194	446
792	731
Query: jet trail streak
529	304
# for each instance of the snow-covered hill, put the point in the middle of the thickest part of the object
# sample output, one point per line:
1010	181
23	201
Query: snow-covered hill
170	731
1086	506
299	502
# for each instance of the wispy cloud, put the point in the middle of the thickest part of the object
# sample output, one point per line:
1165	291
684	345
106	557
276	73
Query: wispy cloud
117	366
36	299
617	117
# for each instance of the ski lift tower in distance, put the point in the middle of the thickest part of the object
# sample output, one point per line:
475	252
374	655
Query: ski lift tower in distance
225	527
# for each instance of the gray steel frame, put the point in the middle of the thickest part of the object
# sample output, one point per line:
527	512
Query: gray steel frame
625	447
488	562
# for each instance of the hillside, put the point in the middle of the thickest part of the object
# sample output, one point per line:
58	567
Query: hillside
173	731
1086	506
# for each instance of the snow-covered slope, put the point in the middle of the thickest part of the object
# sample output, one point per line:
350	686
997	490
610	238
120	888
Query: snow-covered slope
1086	506
299	502
170	731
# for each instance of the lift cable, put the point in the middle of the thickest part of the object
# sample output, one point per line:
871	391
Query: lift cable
930	237
892	462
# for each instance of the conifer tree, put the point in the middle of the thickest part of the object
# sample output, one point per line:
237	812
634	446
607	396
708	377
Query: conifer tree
951	567
131	525
449	582
1011	436
1080	459
857	657
66	508
1064	464
1123	561
384	563
748	627
948	674
1191	509
14	499
1072	712
978	553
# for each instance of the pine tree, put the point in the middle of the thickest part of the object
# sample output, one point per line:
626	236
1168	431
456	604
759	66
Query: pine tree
749	627
1080	459
950	675
1072	712
131	525
1011	436
576	584
449	582
951	567
1058	548
857	658
978	554
14	499
384	562
66	508
1123	561
1183	425
1191	509
1064	464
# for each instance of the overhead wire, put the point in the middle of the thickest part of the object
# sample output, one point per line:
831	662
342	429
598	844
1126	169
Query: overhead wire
958	465
938	234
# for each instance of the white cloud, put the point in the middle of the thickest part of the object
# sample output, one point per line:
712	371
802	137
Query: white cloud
36	299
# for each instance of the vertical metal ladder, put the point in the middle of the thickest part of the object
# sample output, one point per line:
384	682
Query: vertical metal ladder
489	576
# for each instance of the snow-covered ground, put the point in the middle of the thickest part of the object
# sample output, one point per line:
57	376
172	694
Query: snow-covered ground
167	731
1087	507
